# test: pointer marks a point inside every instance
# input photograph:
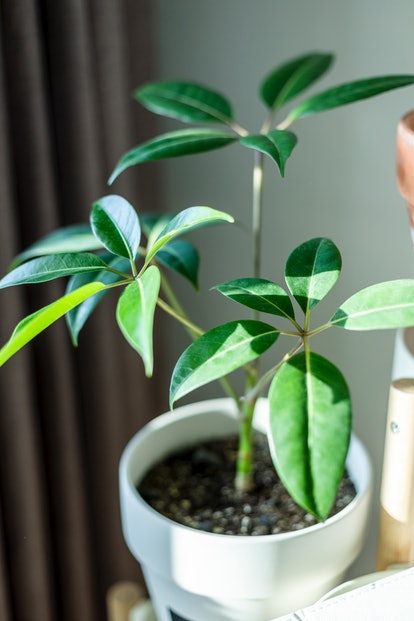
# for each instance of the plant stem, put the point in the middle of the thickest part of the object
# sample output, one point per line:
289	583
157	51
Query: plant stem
243	479
191	327
257	206
176	310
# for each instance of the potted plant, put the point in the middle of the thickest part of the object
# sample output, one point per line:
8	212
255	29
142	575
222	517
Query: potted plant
306	408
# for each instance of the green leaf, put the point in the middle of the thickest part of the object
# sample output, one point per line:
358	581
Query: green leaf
181	256
32	325
115	222
185	101
173	144
259	294
387	305
52	266
75	238
153	224
77	317
347	93
219	352
311	271
277	144
135	314
293	77
187	220
310	426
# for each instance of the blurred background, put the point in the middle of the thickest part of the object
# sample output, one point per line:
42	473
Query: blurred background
68	69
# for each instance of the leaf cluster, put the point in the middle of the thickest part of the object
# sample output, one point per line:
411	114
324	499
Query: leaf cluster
310	405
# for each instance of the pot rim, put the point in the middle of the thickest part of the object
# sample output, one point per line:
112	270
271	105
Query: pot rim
356	446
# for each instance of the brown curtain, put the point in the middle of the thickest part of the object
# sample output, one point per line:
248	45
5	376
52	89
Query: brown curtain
67	71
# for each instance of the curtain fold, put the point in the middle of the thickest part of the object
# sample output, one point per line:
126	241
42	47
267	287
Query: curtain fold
67	71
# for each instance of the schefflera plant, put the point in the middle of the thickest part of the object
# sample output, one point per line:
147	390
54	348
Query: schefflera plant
310	408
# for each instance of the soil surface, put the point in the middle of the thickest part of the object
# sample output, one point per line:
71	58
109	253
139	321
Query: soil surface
195	488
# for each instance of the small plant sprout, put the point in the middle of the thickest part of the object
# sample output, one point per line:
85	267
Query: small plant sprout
309	400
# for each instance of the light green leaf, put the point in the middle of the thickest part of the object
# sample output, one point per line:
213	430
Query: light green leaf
187	220
115	222
347	93
32	325
77	317
153	224
310	426
259	294
181	256
75	238
293	77
277	144
185	101
52	266
219	352
387	305
135	314
311	271
173	144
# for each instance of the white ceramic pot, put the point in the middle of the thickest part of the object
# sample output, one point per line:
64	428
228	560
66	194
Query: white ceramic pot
198	576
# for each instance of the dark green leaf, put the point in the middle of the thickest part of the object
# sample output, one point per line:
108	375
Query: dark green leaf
75	238
259	294
277	144
185	101
311	271
135	314
181	256
32	325
173	144
115	222
347	93
52	266
310	426
187	220
77	317
293	77
219	352
382	306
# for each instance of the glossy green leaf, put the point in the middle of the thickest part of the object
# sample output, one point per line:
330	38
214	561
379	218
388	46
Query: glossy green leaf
154	224
77	317
115	222
173	144
185	101
311	271
347	93
219	352
277	144
309	432
135	314
387	305
52	266
32	325
259	294
187	220
181	256
75	238
293	77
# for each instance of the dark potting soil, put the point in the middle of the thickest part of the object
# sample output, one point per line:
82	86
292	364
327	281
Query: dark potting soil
195	488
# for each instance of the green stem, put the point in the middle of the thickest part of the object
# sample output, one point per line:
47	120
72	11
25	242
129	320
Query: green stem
243	480
189	325
257	208
260	385
176	310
